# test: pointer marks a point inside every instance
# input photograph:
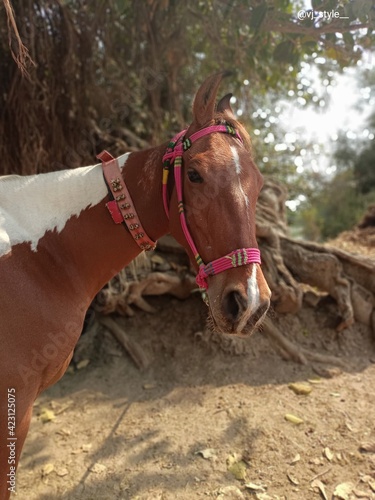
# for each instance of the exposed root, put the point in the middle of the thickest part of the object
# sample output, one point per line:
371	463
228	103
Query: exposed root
291	351
134	350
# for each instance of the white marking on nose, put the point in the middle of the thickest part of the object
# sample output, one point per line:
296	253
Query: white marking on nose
253	294
237	166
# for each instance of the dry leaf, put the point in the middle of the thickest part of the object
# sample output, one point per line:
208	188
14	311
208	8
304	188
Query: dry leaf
238	469
293	419
372	485
292	479
98	468
47	469
360	494
254	487
365	478
156	259
296	459
46	415
314	380
343	491
328	454
263	496
300	389
367	447
208	453
62	471
318	484
229	492
82	364
149	386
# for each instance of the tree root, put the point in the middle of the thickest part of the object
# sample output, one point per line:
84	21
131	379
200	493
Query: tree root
135	351
291	351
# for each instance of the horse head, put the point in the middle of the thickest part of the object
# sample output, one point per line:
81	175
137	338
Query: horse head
212	211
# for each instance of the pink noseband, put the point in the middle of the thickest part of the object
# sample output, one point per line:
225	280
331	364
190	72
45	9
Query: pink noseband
173	156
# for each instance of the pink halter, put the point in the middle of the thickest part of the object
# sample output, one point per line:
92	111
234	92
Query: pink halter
173	156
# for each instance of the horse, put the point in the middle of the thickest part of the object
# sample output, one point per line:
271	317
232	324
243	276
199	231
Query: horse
65	234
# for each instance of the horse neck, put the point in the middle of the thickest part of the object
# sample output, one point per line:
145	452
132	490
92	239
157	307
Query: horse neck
97	247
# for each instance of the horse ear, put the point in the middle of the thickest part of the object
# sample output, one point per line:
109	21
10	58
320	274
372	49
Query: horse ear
204	102
223	106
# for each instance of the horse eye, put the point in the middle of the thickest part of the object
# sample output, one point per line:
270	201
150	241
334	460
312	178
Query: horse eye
194	176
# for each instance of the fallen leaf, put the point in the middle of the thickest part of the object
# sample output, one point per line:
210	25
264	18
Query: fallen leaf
328	454
149	386
157	259
62	471
314	380
335	394
360	494
254	487
238	469
47	469
296	459
263	496
300	389
46	415
82	364
343	491
98	468
365	478
318	484
292	479
229	492
372	485
208	453
293	419
367	447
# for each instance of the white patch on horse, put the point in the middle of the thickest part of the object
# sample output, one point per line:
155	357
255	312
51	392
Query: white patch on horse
122	160
238	169
253	295
32	205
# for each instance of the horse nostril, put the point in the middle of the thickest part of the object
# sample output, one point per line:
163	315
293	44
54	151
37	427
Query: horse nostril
234	305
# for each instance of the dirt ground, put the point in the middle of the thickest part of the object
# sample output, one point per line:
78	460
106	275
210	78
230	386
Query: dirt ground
201	422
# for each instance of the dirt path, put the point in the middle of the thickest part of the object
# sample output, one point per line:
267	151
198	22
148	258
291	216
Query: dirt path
123	434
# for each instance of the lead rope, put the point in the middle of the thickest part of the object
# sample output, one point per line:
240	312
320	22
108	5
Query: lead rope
173	156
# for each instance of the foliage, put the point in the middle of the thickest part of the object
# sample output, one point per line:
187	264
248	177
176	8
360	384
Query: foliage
117	73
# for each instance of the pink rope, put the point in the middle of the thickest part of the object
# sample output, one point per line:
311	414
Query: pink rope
237	258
